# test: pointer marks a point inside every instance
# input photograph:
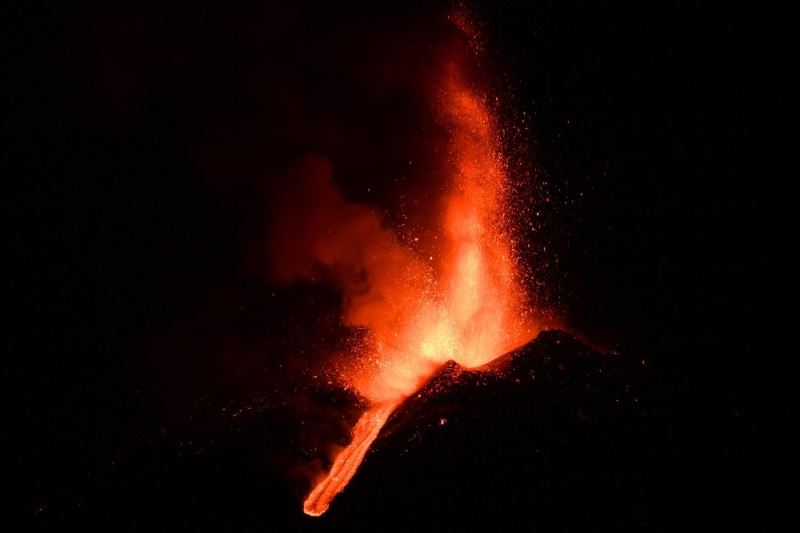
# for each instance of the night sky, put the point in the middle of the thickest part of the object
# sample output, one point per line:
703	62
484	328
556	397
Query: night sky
148	146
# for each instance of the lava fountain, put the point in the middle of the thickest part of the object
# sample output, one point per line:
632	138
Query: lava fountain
466	304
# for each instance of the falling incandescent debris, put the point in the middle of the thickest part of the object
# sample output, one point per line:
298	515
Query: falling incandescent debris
468	306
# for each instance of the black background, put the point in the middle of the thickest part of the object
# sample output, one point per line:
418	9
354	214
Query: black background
126	243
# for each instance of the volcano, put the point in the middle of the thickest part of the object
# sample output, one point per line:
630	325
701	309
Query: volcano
550	426
237	228
553	434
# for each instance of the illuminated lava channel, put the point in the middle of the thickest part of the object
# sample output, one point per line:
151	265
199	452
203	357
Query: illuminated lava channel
364	432
474	309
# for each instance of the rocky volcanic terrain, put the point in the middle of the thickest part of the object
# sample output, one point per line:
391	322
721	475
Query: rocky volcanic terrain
548	435
554	435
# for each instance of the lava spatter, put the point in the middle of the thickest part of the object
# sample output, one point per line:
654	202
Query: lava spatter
468	307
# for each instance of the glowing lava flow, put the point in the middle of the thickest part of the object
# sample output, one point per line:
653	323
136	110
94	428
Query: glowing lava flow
364	432
469	309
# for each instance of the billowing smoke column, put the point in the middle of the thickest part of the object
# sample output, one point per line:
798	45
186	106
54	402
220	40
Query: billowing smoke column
461	302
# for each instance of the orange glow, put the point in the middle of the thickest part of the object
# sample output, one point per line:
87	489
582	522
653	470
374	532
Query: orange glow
464	304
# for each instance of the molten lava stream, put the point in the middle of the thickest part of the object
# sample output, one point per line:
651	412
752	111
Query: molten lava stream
346	463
